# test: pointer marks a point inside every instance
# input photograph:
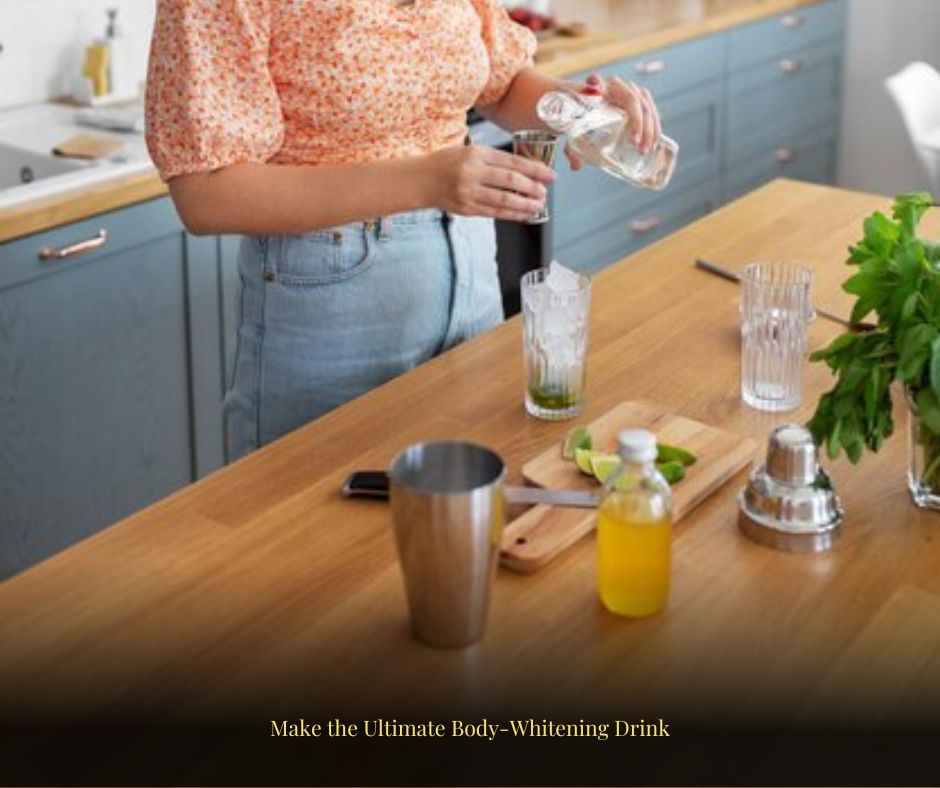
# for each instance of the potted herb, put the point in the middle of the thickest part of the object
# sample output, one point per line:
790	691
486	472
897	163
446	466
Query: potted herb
898	279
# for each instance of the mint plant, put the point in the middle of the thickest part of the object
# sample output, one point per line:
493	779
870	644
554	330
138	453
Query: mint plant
898	279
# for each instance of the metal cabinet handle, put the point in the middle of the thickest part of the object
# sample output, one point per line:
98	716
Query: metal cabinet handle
82	247
793	21
792	65
644	226
649	67
786	155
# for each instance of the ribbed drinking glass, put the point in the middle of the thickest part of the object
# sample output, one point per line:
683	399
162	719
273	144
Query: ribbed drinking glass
776	312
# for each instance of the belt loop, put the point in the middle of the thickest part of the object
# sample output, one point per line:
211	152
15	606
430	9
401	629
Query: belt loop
385	228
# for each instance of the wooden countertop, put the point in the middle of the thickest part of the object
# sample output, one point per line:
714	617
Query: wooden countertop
619	29
629	27
261	587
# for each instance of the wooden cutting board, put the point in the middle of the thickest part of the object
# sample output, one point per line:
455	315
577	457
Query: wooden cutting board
536	537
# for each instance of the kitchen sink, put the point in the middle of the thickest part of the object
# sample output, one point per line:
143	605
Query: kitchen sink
28	168
20	167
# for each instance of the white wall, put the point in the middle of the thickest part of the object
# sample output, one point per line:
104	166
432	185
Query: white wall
883	36
44	40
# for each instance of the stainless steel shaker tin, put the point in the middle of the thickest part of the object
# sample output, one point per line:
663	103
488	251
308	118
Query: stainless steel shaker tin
789	503
447	510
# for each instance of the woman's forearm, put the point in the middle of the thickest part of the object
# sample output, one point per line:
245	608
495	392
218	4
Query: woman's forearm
516	109
268	199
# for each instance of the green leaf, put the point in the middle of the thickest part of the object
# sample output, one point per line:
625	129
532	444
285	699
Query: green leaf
835	348
832	445
928	408
935	365
909	208
914	346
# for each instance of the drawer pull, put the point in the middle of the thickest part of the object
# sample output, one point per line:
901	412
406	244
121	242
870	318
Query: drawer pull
792	65
82	247
786	155
649	67
793	21
644	226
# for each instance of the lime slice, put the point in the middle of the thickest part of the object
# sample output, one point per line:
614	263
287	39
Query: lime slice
666	453
673	472
582	458
577	438
602	465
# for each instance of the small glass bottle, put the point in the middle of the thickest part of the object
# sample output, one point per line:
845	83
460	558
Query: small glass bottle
634	531
600	134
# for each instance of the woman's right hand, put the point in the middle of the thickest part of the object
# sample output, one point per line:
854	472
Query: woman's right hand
475	180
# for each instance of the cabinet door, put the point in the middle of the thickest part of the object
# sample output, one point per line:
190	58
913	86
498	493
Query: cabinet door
782	96
787	32
810	156
673	70
94	380
627	235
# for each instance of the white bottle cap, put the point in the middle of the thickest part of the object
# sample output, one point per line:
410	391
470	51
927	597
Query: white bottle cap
637	445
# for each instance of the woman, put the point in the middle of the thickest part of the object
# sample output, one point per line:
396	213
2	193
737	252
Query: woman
330	133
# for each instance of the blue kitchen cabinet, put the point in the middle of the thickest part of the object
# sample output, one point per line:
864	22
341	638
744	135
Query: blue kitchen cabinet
787	32
631	233
746	106
781	97
806	156
109	372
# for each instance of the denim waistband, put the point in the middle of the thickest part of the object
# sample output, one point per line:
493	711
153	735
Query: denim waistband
383	224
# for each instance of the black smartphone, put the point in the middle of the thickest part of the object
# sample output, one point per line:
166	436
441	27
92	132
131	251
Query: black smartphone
366	484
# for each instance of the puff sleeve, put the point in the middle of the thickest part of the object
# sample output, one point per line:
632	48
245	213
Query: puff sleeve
511	47
211	100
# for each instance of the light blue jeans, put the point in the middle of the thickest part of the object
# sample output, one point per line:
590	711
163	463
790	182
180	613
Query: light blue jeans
328	315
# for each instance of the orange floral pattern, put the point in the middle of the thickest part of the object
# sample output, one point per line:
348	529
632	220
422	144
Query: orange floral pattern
322	81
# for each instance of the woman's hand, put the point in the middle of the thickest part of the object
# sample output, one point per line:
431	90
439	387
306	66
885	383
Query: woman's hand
474	180
642	114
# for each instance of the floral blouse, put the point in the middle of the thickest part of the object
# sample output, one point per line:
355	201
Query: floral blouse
322	81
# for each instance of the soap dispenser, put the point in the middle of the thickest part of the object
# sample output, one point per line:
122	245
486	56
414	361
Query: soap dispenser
121	60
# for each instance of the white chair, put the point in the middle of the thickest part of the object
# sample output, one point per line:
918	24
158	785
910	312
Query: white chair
916	91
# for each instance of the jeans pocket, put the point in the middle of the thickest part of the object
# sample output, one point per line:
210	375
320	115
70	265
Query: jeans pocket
325	257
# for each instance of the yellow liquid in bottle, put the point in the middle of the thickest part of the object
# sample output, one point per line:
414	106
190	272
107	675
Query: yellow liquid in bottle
634	541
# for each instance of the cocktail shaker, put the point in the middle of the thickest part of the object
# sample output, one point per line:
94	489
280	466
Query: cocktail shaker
447	510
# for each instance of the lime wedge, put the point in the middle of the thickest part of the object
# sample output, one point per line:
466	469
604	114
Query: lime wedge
582	458
673	472
602	465
577	438
666	453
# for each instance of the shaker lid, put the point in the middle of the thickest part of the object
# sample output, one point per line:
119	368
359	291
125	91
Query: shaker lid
791	455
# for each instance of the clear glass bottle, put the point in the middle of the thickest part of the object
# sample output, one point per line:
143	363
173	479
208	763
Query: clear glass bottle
634	531
599	133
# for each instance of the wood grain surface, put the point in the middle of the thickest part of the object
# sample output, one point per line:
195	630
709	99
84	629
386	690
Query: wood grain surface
619	29
75	204
542	533
262	588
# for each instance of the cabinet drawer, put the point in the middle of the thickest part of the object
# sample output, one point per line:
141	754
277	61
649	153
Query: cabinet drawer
587	201
668	71
782	96
631	232
786	32
810	156
21	260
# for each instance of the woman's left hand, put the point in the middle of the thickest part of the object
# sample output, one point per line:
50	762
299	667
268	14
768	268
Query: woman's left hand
638	104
